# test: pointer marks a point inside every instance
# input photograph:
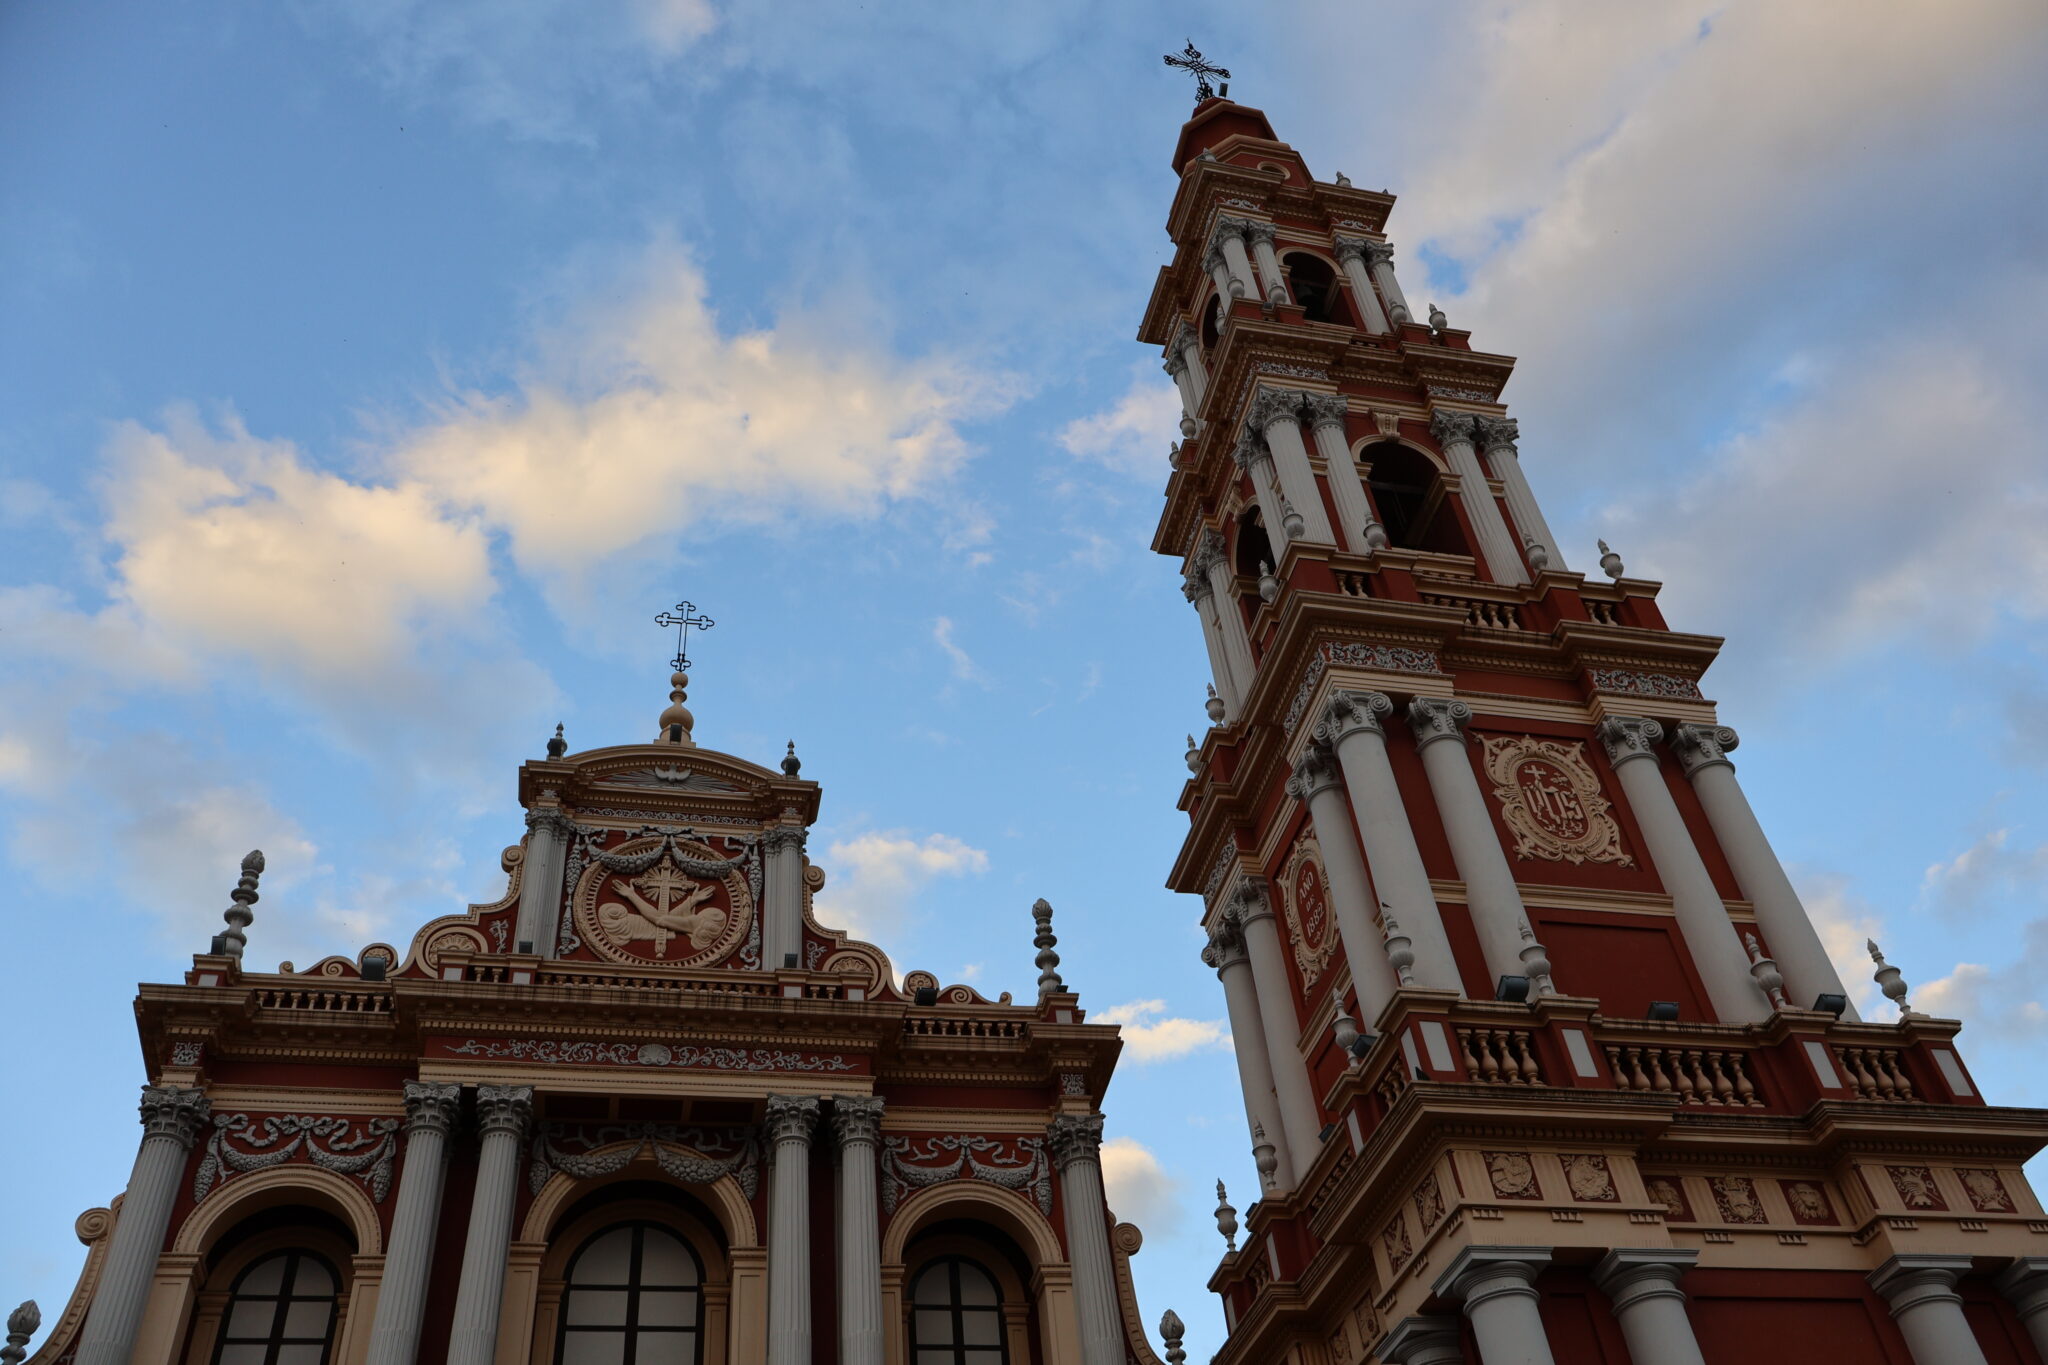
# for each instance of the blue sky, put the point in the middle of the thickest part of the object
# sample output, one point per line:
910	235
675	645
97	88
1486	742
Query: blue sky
371	373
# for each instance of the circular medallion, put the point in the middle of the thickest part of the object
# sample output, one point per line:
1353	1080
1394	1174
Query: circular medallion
661	901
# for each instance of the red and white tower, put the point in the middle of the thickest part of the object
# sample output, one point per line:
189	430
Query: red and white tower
1542	1058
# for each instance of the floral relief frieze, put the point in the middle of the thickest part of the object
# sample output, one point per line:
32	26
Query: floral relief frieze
1355	654
682	1056
1636	683
1018	1164
693	1156
365	1149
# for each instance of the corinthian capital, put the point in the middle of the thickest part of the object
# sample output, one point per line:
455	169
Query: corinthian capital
1249	902
778	838
1702	746
857	1119
1212	259
1075	1137
1314	771
1380	253
1227	228
1433	718
1628	737
1195	585
791	1118
1274	405
175	1113
430	1107
1250	450
1350	247
1452	427
1176	363
1226	945
504	1109
1499	433
1326	410
1256	231
1347	712
1183	337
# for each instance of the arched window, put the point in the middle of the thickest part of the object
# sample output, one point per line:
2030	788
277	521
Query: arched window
1314	286
1408	493
1212	324
1254	546
635	1296
280	1312
956	1315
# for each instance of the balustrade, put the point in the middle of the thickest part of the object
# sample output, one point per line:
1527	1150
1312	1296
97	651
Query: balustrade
1874	1073
1699	1076
326	1002
1481	612
1500	1056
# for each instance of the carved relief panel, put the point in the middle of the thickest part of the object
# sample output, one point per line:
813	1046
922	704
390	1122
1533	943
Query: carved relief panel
663	899
1550	799
1310	926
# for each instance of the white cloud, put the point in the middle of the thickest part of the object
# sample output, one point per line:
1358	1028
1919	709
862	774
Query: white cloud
1845	923
875	876
1132	437
964	667
1137	1187
1988	867
1152	1035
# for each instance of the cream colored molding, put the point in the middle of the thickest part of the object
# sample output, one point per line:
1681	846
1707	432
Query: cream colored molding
663	1083
939	1120
301	1099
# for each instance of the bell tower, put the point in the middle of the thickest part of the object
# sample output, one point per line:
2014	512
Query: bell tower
1542	1058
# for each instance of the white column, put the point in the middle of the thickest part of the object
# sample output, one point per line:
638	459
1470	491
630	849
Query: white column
1201	595
1649	1305
857	1126
2025	1283
1497	435
782	914
1702	918
1316	784
1350	724
1347	490
1454	432
1219	271
1921	1289
790	1121
504	1113
1188	345
1424	1339
1496	1289
1228	239
1300	1121
409	1257
1237	641
1261	235
172	1120
540	879
1380	255
1275	414
1351	255
1226	953
1076	1142
1498	916
1176	365
1703	753
1253	458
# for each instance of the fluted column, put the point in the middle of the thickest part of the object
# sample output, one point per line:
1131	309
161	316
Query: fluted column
1254	459
504	1113
1275	414
1226	953
172	1119
2025	1284
409	1256
1649	1305
1703	753
1076	1142
1228	241
1703	920
1495	1288
857	1127
1497	435
1921	1291
782	915
1300	1122
1351	253
1454	432
1187	344
540	879
1219	271
1201	595
1176	365
1317	785
1380	256
790	1121
1498	916
1424	1339
1261	238
1350	724
1230	627
1347	490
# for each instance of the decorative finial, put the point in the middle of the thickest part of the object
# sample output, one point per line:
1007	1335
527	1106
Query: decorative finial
1536	963
1400	948
1194	755
1269	586
1437	321
1173	453
676	720
1048	961
683	616
1226	1216
1375	537
557	746
1889	980
1171	1330
1213	707
791	764
1201	68
22	1324
1290	520
1539	558
238	914
1343	181
1610	562
1345	1030
1265	1157
1768	978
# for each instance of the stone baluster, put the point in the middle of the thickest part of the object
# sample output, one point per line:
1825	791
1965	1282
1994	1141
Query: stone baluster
1795	945
1270	274
1226	953
1351	254
1498	916
1275	415
1495	1287
1350	724
1497	436
1424	1339
1717	954
791	1118
1076	1142
504	1115
172	1120
1300	1123
2025	1283
1227	242
1455	431
857	1127
782	919
1317	784
1920	1288
1642	1284
1380	256
430	1112
540	878
1347	489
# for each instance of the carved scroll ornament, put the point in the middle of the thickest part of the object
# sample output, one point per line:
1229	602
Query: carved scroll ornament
912	1164
1550	798
363	1148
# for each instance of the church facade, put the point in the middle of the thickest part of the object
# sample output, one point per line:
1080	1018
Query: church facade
1542	1058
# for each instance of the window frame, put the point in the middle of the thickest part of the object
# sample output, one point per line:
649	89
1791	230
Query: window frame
958	1347
281	1303
631	1331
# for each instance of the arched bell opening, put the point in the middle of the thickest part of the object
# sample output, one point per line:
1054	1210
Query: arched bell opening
1410	499
1313	282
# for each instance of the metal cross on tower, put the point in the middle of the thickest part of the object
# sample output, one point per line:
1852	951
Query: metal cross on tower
682	616
1201	68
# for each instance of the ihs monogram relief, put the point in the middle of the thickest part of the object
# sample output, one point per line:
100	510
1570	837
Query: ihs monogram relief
663	900
1309	924
1550	797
